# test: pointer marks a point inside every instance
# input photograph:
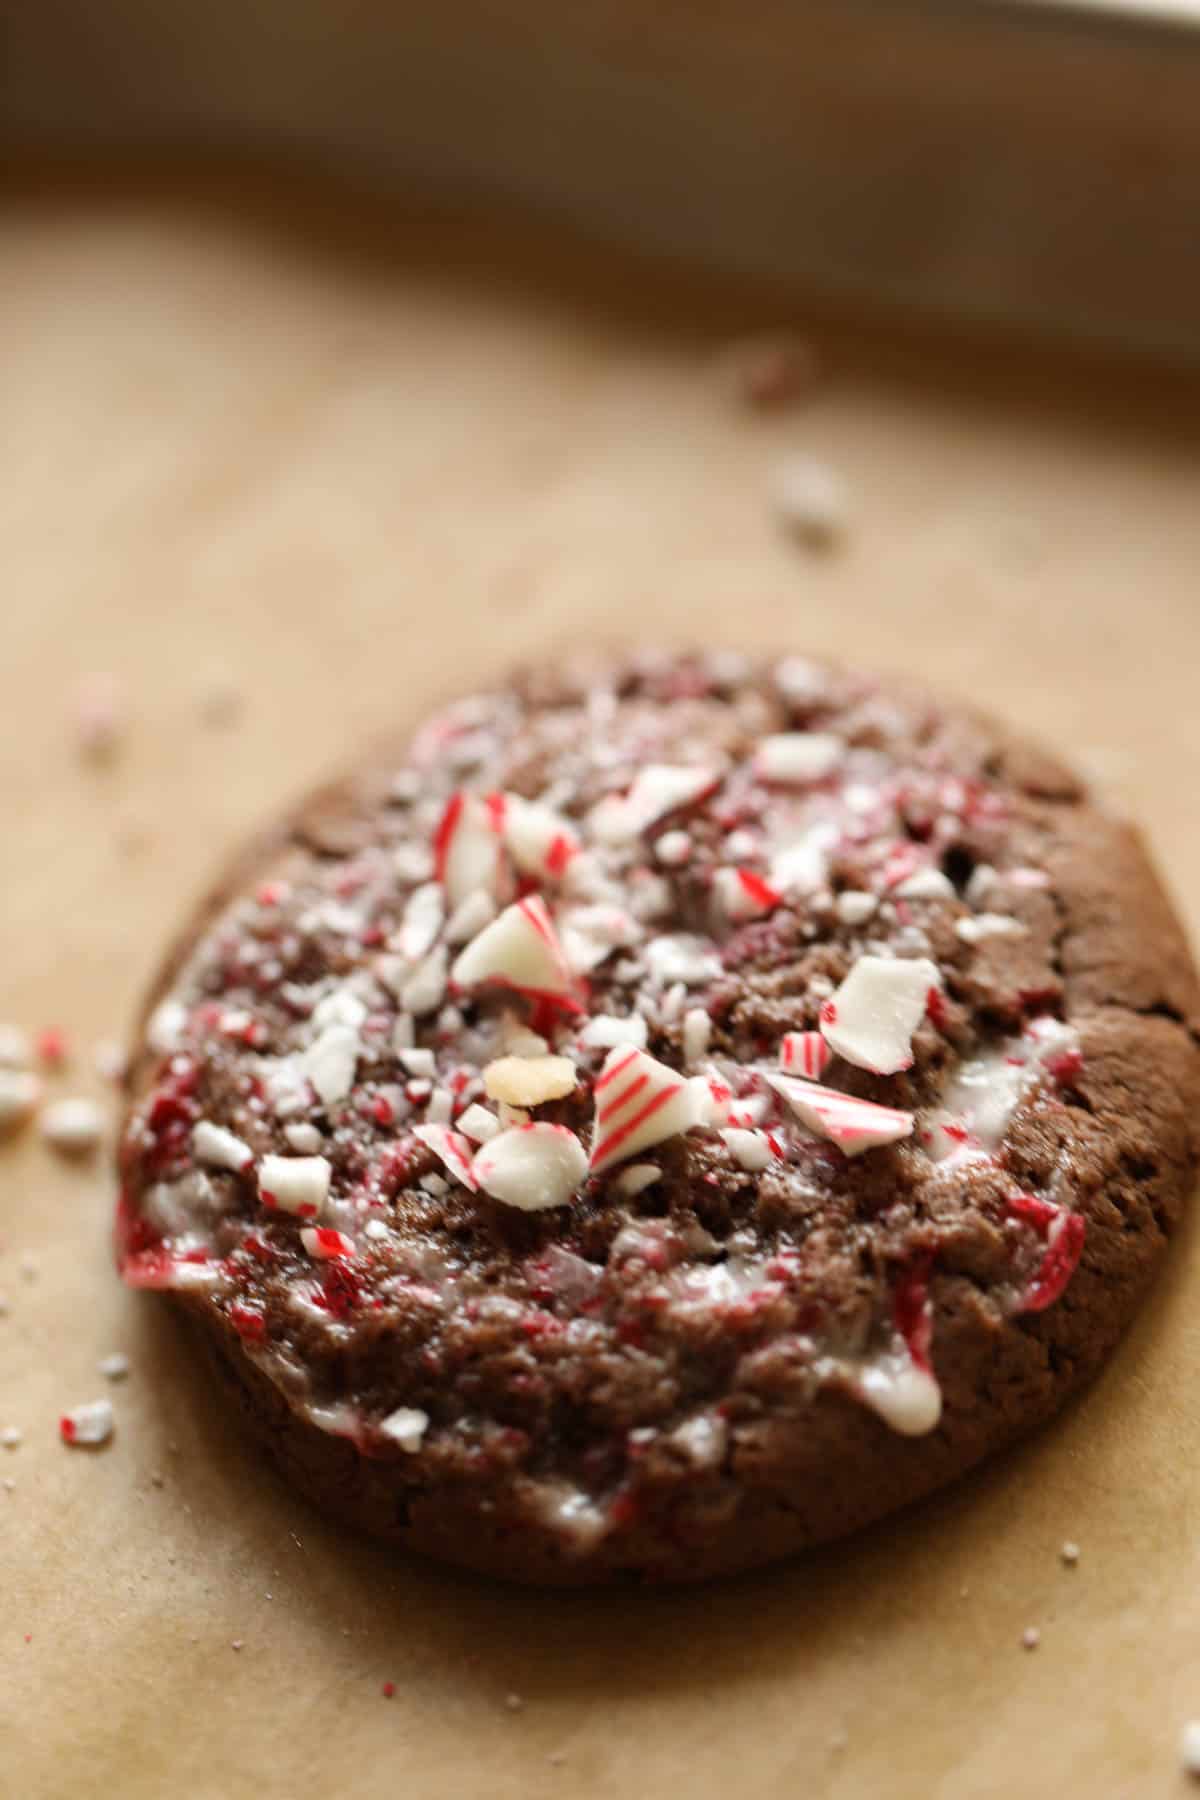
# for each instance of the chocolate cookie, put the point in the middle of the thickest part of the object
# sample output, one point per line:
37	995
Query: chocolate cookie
669	1114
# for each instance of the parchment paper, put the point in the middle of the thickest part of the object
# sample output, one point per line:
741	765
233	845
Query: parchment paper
343	459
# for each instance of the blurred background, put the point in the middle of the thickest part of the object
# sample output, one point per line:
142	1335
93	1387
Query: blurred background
350	353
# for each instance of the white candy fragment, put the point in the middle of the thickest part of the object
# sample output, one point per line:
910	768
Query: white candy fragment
605	1030
16	1051
89	1424
114	1367
72	1126
673	849
324	1245
986	925
539	840
470	917
20	1091
165	1030
1189	1747
451	1148
749	1149
801	867
906	1397
590	934
219	1148
519	950
925	884
636	1179
741	894
424	911
854	907
419	1062
804	1053
697	1030
467	851
342	1006
871	1018
295	1184
478	1124
330	1061
303	1138
853	1125
810	501
796	758
424	989
657	790
529	1080
639	1102
533	1167
681	956
406	1427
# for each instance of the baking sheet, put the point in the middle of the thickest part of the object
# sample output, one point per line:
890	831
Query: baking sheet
341	460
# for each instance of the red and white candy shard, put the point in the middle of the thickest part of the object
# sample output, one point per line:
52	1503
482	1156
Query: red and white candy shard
795	758
853	1125
325	1245
742	894
906	1396
89	1424
657	790
330	1062
804	1053
467	850
519	950
295	1184
639	1102
871	1018
539	840
533	1167
219	1148
452	1149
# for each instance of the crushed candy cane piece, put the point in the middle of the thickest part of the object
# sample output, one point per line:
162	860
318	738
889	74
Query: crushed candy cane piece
478	1124
519	950
636	1179
16	1051
424	912
330	1061
673	849
604	1031
683	957
697	1030
295	1184
302	1137
469	917
639	1102
810	501
539	840
657	790
871	1018
533	1167
467	851
452	1150
796	758
325	1245
87	1425
73	1126
749	1149
220	1148
925	884
854	906
853	1125
529	1080
114	1367
406	1427
424	989
20	1092
804	1053
741	894
422	1063
1189	1747
987	925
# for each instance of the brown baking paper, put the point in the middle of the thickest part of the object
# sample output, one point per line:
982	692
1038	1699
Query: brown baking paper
341	464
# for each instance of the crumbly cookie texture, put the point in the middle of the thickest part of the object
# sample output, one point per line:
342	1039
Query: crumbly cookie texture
674	1112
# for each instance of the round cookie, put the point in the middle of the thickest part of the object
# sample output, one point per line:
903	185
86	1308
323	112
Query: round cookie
670	1113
